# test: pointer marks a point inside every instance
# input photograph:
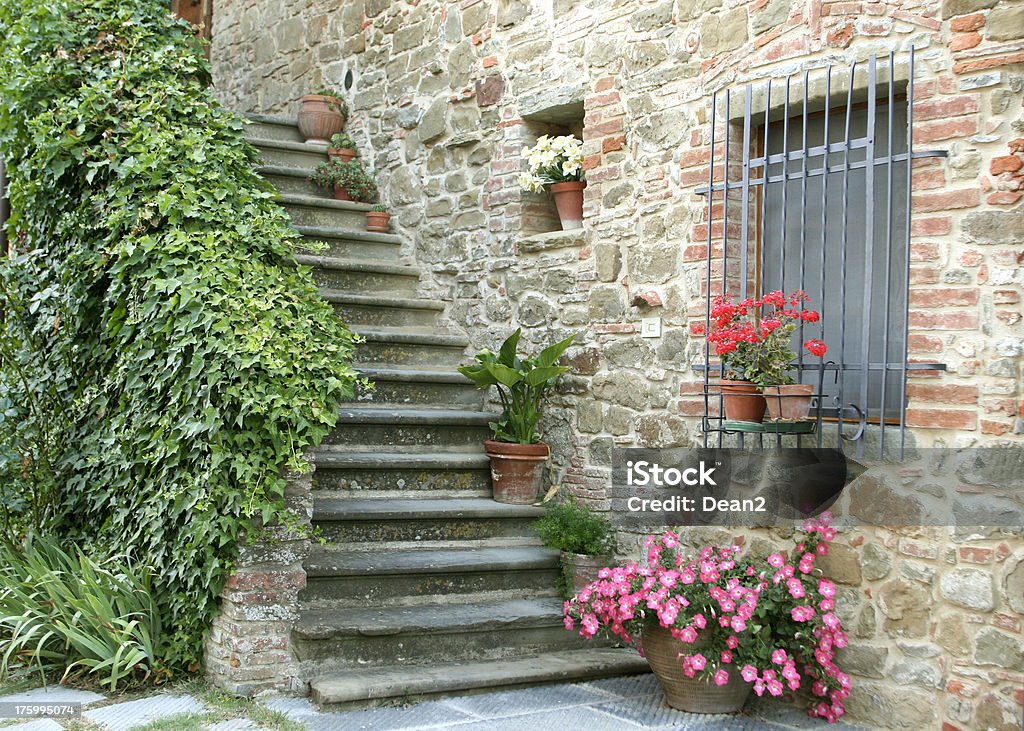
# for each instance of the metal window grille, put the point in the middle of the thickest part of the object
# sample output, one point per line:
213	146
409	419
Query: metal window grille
814	193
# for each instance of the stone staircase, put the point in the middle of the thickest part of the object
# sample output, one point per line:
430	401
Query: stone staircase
424	585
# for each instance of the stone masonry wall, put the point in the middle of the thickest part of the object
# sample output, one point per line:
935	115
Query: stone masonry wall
445	95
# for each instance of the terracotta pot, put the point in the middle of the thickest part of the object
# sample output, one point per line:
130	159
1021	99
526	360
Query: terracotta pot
580	569
742	401
693	695
340	194
319	118
377	221
569	202
344	154
791	401
517	470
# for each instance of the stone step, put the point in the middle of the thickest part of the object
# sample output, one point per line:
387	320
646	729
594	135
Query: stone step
356	637
268	127
402	472
295	155
358	310
361	277
353	244
407	426
375	686
352	520
403	346
382	578
419	386
320	212
292	180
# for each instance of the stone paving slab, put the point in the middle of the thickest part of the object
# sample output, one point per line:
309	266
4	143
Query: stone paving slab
581	717
40	724
629	686
131	714
530	700
430	715
53	694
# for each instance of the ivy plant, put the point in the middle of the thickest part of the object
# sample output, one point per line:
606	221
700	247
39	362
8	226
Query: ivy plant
162	358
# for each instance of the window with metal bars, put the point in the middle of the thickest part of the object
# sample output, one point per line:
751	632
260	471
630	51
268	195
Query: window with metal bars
812	192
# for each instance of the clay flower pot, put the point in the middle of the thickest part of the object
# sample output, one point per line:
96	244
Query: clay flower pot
341	194
790	402
517	470
742	401
378	221
320	118
344	154
580	569
569	202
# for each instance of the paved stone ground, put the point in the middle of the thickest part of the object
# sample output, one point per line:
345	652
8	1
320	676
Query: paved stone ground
613	704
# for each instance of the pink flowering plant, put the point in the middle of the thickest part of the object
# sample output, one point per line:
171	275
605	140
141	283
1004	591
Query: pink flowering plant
772	620
752	337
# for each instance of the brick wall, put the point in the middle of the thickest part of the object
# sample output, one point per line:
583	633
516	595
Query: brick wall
445	96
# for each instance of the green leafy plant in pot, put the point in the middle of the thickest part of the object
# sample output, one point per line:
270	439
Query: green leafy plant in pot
349	180
518	455
342	146
586	539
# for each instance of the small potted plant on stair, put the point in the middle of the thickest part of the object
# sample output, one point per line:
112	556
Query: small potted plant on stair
557	162
321	116
342	147
377	218
585	538
518	456
348	180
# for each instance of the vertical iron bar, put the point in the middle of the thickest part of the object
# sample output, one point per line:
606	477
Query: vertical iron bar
759	286
869	243
888	252
824	240
746	194
842	250
803	239
906	281
785	187
707	312
725	233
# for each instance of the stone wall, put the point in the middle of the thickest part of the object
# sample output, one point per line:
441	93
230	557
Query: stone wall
445	95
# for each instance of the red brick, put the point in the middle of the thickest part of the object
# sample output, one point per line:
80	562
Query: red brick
961	689
995	428
611	144
1005	297
917	549
1005	164
1005	621
841	35
591	161
945	201
971	258
924	275
699	157
601	100
1000	406
943	320
976	554
616	328
1003	198
1008	257
924	252
918	343
604	83
947	297
931	226
608	127
964	41
598	175
490	61
989	62
691	407
928	179
967	22
942	419
946	107
944	129
1010	317
943	394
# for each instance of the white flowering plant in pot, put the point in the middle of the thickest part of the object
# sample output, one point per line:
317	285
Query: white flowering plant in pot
552	160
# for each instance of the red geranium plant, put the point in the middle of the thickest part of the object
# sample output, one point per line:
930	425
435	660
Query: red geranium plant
752	337
771	619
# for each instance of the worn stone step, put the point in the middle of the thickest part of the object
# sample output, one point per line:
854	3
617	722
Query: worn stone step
353	244
338	578
322	212
408	426
421	519
430	472
287	154
373	686
382	310
361	277
419	386
404	346
294	180
269	127
381	636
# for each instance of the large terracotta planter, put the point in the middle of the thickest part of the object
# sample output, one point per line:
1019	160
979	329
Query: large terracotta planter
517	470
580	569
742	401
790	402
693	695
320	118
341	194
345	154
378	221
569	202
